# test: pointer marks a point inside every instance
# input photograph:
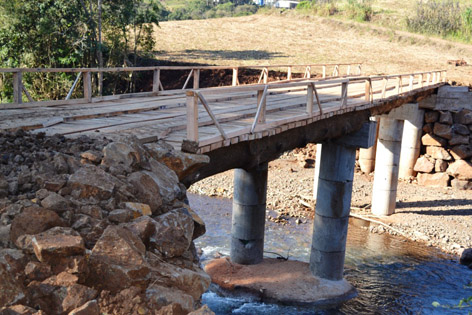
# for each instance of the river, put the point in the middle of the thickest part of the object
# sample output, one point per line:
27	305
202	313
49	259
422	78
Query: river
392	275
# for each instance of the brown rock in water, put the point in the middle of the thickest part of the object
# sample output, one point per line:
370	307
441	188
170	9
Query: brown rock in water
11	291
423	165
159	296
463	117
440	166
147	190
92	181
89	308
117	260
461	152
460	169
433	180
34	220
445	117
438	153
442	130
173	233
458	139
433	140
55	202
431	116
57	242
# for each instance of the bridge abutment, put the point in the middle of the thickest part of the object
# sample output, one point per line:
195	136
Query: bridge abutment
334	202
248	222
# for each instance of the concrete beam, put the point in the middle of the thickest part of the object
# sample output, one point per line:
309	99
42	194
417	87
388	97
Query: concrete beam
367	156
249	207
362	138
405	112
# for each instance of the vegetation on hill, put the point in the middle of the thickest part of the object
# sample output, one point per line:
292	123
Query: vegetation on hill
202	9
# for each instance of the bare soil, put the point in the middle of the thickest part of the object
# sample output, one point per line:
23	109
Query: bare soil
440	217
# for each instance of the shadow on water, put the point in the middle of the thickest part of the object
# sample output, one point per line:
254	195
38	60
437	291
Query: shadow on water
392	275
226	54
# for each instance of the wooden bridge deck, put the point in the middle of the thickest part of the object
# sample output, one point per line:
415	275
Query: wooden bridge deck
216	117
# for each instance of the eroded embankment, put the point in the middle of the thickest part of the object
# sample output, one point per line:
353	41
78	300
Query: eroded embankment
92	226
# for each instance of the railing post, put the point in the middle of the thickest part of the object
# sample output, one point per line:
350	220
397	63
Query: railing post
336	71
156	80
410	85
266	75
348	72
17	87
235	76
399	84
308	72
384	87
434	78
359	69
192	116
309	99
344	94
444	76
368	89
289	73
87	80
428	78
421	80
324	72
262	116
196	79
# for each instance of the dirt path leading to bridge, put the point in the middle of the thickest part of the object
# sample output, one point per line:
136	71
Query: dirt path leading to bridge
440	217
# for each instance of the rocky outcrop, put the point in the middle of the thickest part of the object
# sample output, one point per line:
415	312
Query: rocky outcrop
91	227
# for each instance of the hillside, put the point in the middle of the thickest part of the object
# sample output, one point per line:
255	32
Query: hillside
288	38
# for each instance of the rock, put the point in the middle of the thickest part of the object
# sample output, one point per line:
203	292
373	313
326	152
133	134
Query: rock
458	139
173	233
171	309
438	153
461	184
34	220
460	129
120	154
11	291
423	165
440	166
92	181
89	308
428	128
57	242
433	180
54	183
180	162
117	260
120	216
466	258
431	116
55	202
60	163
92	156
167	181
442	130
445	117
433	140
37	271
147	190
461	152
19	310
14	260
138	209
460	169
199	226
92	211
143	227
159	296
463	117
204	310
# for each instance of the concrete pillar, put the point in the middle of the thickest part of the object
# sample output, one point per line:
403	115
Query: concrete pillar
367	156
334	202
317	169
249	207
411	142
386	166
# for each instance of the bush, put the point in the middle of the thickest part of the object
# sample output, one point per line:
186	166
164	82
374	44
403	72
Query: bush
318	7
359	10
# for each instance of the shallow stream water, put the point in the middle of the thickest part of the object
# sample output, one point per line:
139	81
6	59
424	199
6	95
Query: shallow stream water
392	275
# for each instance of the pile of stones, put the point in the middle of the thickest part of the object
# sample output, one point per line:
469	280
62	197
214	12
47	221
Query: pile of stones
93	226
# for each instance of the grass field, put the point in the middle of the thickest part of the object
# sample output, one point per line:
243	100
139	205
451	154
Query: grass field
289	38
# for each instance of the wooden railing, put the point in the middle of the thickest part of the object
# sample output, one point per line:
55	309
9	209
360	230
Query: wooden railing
370	95
85	74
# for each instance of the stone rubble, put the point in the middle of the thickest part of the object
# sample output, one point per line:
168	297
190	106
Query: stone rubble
90	226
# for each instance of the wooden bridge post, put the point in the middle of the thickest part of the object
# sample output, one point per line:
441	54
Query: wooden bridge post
411	141
196	79
289	73
421	80
334	203
348	72
309	99
192	116
368	90
87	80
17	87
266	75
235	77
156	80
249	207
410	85
344	98
324	72
261	96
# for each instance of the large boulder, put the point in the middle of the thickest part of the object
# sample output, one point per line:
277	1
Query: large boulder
167	181
33	220
118	260
433	140
159	296
438	153
122	155
442	130
424	165
92	181
56	243
433	180
461	152
460	169
147	189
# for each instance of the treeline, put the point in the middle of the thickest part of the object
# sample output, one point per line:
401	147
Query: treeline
203	9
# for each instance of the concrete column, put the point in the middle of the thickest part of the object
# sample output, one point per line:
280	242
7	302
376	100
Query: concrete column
411	142
367	156
334	202
317	169
386	166
249	207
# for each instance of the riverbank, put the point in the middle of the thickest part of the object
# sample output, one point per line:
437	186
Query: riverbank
439	217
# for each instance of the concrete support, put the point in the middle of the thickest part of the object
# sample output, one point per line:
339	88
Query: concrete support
334	202
249	206
317	169
367	156
411	142
386	166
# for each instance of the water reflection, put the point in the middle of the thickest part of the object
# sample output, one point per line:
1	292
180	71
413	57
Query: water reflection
392	275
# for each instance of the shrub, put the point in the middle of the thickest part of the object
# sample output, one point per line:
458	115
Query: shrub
359	10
